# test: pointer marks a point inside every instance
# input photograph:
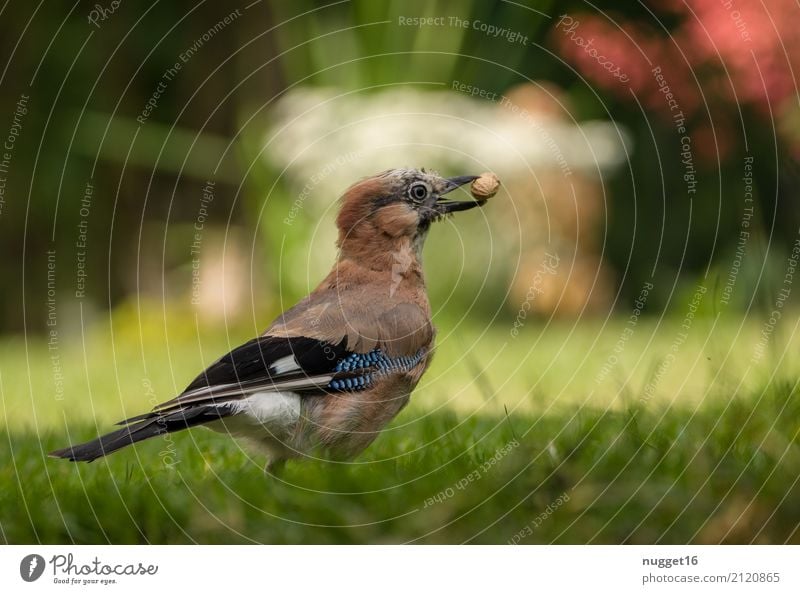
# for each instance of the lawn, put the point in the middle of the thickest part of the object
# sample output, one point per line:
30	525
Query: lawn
508	439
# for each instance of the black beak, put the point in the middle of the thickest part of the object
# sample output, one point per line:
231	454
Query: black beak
456	182
444	207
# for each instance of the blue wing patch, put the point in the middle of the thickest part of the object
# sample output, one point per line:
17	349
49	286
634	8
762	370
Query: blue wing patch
365	367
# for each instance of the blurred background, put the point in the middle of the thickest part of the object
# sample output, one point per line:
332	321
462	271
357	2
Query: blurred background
170	172
213	142
277	108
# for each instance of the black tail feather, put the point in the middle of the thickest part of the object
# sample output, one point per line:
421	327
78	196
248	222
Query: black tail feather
140	430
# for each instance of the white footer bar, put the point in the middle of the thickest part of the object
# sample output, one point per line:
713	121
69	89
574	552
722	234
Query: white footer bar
390	569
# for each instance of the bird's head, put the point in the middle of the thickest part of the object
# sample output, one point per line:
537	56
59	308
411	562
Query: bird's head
396	204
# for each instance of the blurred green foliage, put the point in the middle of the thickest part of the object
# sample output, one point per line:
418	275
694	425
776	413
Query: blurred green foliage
88	83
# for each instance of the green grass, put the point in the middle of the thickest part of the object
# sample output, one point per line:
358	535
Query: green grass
711	460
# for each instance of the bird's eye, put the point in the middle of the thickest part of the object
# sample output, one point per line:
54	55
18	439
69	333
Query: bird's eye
418	192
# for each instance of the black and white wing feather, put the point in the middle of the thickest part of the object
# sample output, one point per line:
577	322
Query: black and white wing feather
301	365
265	364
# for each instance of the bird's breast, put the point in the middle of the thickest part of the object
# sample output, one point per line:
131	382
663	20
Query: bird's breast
345	423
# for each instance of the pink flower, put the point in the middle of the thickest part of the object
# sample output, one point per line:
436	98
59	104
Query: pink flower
724	54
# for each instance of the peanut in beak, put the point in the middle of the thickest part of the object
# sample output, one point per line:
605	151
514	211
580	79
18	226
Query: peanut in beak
485	186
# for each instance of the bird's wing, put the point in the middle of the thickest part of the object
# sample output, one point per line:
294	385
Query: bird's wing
325	349
268	363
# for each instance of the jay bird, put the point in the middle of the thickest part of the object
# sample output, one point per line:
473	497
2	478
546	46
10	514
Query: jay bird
332	371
